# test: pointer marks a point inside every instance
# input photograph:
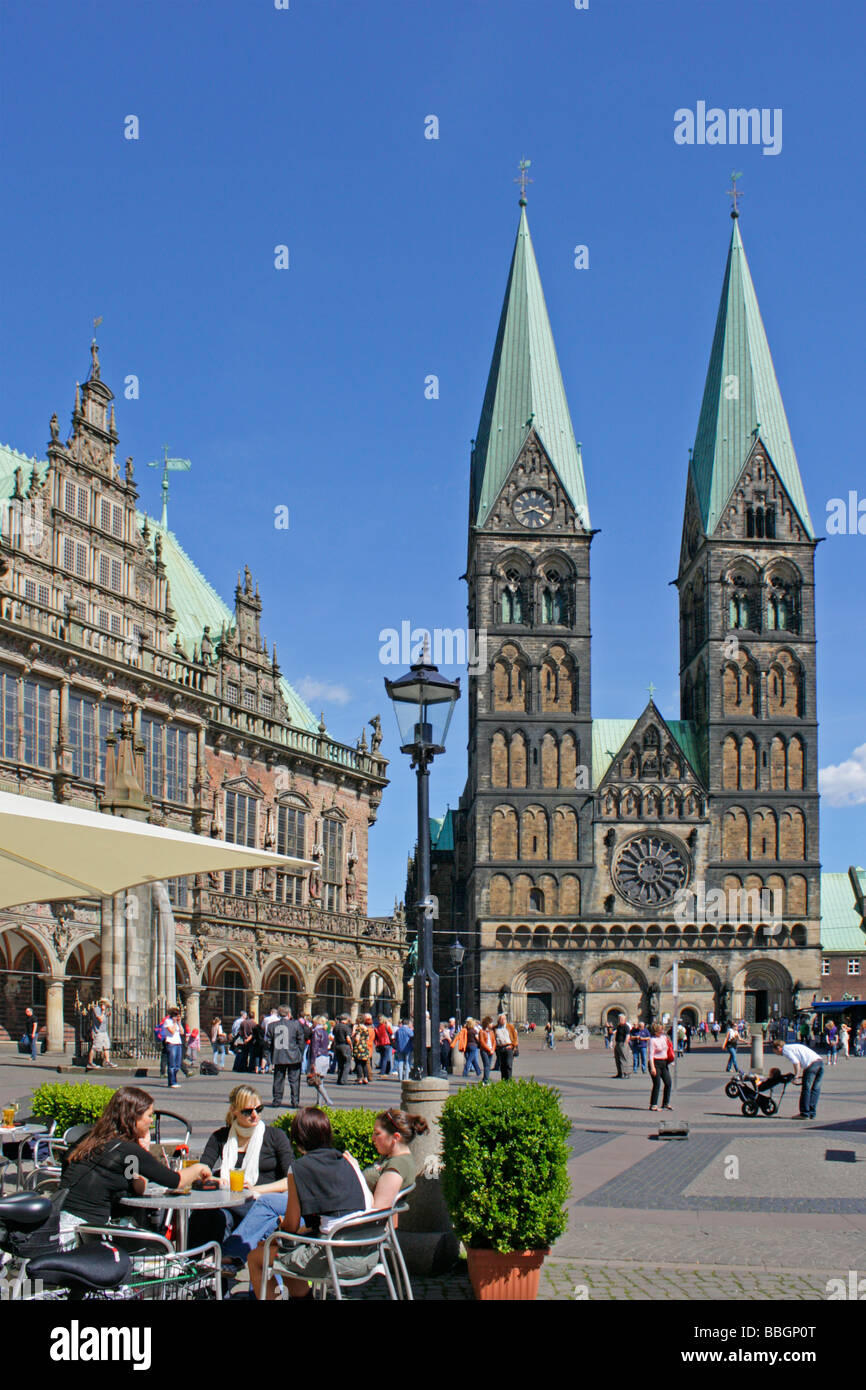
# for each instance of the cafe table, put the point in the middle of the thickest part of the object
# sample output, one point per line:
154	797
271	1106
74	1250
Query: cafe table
20	1135
156	1198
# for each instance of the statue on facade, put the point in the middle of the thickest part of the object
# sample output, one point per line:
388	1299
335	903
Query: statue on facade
54	426
130	471
376	726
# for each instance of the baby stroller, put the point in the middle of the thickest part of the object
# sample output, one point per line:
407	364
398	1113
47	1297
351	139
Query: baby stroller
754	1093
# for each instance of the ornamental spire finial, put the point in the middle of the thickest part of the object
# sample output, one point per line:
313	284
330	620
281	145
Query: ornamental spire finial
734	192
523	179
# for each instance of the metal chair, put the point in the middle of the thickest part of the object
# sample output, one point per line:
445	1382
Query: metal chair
364	1233
36	1148
159	1272
169	1128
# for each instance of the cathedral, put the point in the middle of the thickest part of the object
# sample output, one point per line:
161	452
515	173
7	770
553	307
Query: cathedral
112	639
589	854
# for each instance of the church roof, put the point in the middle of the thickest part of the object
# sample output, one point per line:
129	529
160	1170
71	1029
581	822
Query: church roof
742	400
196	602
524	383
442	832
609	735
841	928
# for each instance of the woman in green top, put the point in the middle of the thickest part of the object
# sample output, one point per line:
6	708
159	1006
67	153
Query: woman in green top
393	1132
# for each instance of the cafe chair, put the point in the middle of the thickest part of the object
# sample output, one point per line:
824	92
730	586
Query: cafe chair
158	1271
170	1129
364	1233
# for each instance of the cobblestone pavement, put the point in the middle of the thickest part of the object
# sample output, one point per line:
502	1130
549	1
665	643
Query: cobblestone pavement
766	1208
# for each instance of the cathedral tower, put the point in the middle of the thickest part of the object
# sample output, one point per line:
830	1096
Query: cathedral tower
747	640
527	804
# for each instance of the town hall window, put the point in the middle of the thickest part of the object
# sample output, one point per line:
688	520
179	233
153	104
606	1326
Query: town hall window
240	830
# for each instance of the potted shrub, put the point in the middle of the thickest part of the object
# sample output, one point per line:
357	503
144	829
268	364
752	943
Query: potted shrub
505	1181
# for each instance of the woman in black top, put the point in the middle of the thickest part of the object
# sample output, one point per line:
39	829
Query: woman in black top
323	1185
113	1161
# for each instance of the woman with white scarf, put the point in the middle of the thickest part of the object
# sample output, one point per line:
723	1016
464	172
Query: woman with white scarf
263	1152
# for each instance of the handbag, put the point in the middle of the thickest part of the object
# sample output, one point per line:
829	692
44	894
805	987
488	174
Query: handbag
24	1043
670	1052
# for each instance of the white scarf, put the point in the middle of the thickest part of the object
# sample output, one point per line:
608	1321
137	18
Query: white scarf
250	1161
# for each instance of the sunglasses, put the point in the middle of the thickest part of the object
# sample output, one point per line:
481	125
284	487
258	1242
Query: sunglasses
253	1110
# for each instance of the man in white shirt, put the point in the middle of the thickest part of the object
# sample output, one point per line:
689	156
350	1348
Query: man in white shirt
808	1067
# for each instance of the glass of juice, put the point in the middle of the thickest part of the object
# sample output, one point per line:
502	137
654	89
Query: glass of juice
236	1180
9	1116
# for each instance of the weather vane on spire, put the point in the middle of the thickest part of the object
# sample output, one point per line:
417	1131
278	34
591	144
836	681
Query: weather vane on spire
523	179
735	193
168	465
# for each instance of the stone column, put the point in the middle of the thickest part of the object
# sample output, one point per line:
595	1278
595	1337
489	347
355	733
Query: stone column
54	1011
757	1057
191	994
425	1233
252	1004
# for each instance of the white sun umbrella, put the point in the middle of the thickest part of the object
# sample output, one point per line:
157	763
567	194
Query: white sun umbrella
50	851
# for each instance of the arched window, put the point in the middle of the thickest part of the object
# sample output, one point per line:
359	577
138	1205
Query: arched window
231	984
536	900
330	997
554	608
513	598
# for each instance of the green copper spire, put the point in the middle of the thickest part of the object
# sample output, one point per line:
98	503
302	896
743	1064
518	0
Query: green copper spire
524	390
742	401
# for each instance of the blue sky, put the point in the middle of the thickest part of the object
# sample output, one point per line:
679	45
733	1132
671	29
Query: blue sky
305	387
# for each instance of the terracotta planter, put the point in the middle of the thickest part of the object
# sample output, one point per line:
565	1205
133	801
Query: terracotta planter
506	1277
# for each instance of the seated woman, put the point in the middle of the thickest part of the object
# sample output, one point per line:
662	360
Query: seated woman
113	1161
262	1151
393	1132
324	1186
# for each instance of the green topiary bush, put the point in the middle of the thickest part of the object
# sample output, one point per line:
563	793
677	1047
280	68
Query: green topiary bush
70	1104
352	1129
505	1179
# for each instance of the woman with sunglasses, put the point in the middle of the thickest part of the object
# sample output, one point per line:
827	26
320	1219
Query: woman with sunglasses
244	1141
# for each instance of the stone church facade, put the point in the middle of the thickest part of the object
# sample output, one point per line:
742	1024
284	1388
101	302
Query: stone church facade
588	854
106	625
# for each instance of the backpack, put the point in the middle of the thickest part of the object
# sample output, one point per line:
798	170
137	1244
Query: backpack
208	1069
159	1032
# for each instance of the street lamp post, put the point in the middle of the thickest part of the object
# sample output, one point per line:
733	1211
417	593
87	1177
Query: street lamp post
457	953
424	702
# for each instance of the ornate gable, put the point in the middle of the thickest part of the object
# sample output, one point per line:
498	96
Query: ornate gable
542	503
759	507
651	778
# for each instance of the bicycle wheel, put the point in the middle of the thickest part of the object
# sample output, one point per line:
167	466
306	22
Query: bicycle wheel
750	1107
769	1106
731	1090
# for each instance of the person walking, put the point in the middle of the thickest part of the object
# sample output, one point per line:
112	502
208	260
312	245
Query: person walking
682	1038
640	1044
620	1039
342	1039
404	1039
486	1047
384	1034
732	1037
549	1034
844	1040
362	1043
507	1046
286	1040
608	1034
809	1070
173	1033
831	1038
99	1039
218	1042
467	1043
31	1029
661	1054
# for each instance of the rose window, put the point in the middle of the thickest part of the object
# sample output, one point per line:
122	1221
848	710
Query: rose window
649	870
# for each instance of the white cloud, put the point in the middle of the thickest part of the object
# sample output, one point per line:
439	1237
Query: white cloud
844	784
313	690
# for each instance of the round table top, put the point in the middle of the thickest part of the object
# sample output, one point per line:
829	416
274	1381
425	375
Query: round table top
10	1136
192	1201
